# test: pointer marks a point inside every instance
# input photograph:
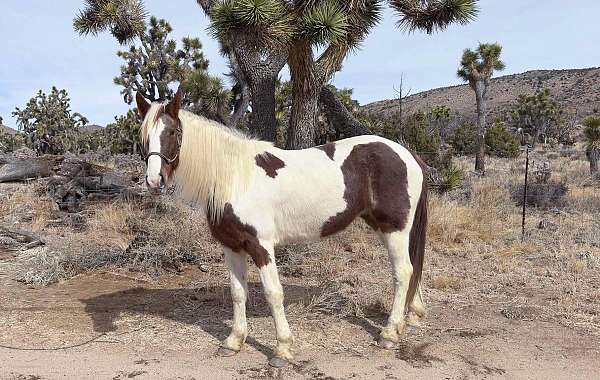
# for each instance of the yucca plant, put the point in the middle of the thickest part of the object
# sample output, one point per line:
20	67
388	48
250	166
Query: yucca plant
445	180
477	67
592	136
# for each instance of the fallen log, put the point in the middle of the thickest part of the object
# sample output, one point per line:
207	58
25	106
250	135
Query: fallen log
72	181
22	236
22	170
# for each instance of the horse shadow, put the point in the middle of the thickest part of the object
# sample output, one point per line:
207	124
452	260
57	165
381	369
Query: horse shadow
207	307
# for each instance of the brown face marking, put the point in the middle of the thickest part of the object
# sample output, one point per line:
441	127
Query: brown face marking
376	189
237	236
329	149
170	140
270	163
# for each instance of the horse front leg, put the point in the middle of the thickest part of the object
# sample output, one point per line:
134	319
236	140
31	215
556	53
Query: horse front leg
238	269
274	295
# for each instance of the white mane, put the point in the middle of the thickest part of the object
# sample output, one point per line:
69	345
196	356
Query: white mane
215	163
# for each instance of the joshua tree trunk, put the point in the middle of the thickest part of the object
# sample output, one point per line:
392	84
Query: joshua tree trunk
593	155
305	94
303	120
260	69
344	123
263	108
480	96
241	104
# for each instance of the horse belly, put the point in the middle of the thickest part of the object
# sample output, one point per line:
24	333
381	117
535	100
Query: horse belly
307	203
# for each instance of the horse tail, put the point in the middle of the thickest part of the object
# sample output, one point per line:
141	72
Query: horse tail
418	231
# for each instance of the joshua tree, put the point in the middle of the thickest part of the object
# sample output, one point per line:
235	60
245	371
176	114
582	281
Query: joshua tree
154	61
536	113
48	122
477	68
592	135
260	36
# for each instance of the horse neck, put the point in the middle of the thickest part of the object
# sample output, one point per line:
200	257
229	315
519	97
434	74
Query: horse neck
215	164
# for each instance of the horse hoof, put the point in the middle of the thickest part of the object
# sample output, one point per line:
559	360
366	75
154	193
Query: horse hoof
386	344
226	352
278	362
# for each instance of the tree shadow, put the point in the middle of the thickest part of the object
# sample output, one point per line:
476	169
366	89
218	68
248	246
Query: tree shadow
207	307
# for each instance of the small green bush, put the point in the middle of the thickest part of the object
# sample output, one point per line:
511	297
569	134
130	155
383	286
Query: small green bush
416	136
462	140
500	142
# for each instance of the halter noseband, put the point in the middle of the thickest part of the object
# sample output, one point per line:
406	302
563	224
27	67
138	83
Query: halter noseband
169	161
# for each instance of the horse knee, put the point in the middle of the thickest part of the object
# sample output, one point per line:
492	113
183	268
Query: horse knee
274	297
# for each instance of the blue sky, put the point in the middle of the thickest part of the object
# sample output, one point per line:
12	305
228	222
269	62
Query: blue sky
39	49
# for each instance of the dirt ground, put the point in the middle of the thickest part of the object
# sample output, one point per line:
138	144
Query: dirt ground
106	325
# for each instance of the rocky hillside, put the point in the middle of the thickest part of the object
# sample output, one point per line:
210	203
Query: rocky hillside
5	129
577	90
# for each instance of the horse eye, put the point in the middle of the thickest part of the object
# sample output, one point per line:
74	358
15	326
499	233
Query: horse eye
172	133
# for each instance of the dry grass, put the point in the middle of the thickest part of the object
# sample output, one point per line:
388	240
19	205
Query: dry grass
442	282
23	204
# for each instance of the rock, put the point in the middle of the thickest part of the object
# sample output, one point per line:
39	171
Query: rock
203	268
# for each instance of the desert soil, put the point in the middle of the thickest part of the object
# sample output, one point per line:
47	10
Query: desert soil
110	325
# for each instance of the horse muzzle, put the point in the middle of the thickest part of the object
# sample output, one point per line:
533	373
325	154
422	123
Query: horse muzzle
155	184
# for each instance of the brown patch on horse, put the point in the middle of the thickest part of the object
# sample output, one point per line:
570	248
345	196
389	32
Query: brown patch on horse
170	143
376	189
270	163
238	236
329	149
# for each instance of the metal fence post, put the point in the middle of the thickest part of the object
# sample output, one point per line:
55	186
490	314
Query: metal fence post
525	193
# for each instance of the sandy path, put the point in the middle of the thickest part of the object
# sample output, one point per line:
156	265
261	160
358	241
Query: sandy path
125	329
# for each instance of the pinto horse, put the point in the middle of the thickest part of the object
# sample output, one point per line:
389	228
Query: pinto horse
257	196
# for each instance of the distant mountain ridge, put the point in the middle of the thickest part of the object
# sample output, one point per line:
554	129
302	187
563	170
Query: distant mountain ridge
577	90
5	129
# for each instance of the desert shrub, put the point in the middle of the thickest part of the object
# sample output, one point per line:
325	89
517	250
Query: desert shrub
90	141
462	139
149	236
446	179
10	142
500	142
542	195
123	136
416	136
384	127
49	123
541	172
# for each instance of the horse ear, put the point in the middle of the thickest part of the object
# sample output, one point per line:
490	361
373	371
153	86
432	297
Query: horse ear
142	105
174	105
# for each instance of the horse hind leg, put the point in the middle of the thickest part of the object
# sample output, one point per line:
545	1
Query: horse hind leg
416	309
397	244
